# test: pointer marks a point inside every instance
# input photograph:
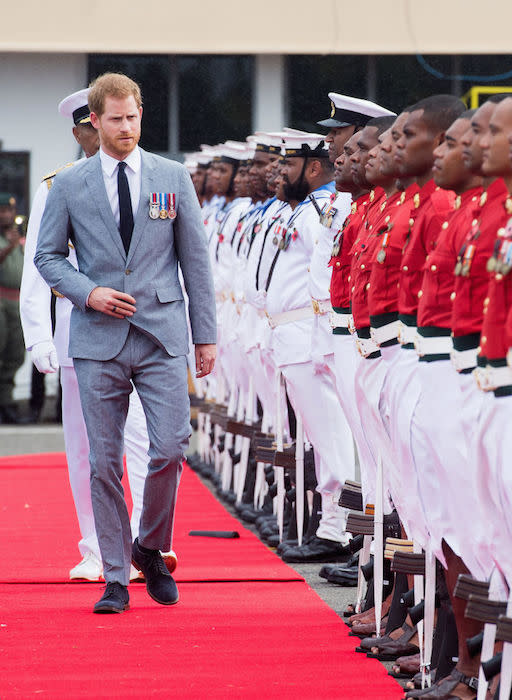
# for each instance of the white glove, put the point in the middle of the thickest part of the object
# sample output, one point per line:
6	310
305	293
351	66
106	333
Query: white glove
260	299
44	356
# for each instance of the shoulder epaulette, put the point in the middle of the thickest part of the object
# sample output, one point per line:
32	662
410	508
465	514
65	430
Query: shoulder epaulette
49	178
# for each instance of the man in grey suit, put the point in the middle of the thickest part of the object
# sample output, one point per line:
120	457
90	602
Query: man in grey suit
133	218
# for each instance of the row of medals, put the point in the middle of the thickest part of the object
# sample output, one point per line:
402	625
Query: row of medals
156	213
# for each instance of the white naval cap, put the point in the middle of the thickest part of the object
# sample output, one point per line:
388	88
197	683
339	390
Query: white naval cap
347	111
304	144
231	151
190	163
75	107
267	141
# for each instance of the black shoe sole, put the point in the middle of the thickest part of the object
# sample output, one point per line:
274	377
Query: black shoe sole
107	609
161	602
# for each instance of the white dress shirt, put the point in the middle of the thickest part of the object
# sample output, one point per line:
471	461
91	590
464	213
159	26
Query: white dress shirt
133	174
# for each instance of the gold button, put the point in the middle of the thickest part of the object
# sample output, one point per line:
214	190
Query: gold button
486	301
405	268
338	264
484	339
433	268
368	286
411	222
445	225
362	266
452	296
420	294
387	219
370	227
127	272
349	278
474	222
352	290
499	277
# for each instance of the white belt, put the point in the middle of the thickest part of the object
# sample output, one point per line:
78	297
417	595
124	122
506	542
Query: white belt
385	333
321	307
351	327
438	345
365	346
406	334
490	378
339	320
279	319
463	359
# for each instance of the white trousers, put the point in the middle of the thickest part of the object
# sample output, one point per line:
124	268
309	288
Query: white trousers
77	454
369	382
448	484
493	452
401	393
346	362
313	396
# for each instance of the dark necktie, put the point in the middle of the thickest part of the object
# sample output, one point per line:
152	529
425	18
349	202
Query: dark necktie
125	207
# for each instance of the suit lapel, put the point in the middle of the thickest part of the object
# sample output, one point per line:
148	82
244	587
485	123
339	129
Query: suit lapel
96	185
147	185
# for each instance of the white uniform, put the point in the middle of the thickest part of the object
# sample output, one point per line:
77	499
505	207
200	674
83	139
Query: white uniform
313	395
35	300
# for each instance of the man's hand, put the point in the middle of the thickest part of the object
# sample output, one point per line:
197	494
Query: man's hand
205	359
44	356
111	302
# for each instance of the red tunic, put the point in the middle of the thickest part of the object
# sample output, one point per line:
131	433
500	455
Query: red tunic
361	252
436	302
340	263
472	281
432	206
387	255
494	342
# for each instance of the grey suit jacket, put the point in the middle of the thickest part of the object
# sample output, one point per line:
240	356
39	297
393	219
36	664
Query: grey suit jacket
78	210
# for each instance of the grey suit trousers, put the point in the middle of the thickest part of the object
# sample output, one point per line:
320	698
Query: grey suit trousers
161	381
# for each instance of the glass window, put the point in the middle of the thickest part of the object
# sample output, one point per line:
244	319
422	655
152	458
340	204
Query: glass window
14	177
215	99
152	74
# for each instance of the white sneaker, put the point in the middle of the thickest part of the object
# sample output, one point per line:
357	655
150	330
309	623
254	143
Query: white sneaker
170	560
90	568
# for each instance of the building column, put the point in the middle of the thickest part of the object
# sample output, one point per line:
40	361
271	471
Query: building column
269	107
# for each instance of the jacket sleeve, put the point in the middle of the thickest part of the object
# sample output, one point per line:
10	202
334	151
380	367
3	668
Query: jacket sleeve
52	248
193	258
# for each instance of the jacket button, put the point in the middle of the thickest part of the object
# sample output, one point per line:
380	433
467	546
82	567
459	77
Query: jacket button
420	294
405	268
433	268
127	272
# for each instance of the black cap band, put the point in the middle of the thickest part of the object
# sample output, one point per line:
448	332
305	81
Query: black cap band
81	113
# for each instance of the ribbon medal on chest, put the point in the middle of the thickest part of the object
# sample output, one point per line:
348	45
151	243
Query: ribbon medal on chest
162	205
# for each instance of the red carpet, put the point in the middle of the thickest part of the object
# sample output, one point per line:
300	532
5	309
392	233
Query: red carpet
251	639
37	518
